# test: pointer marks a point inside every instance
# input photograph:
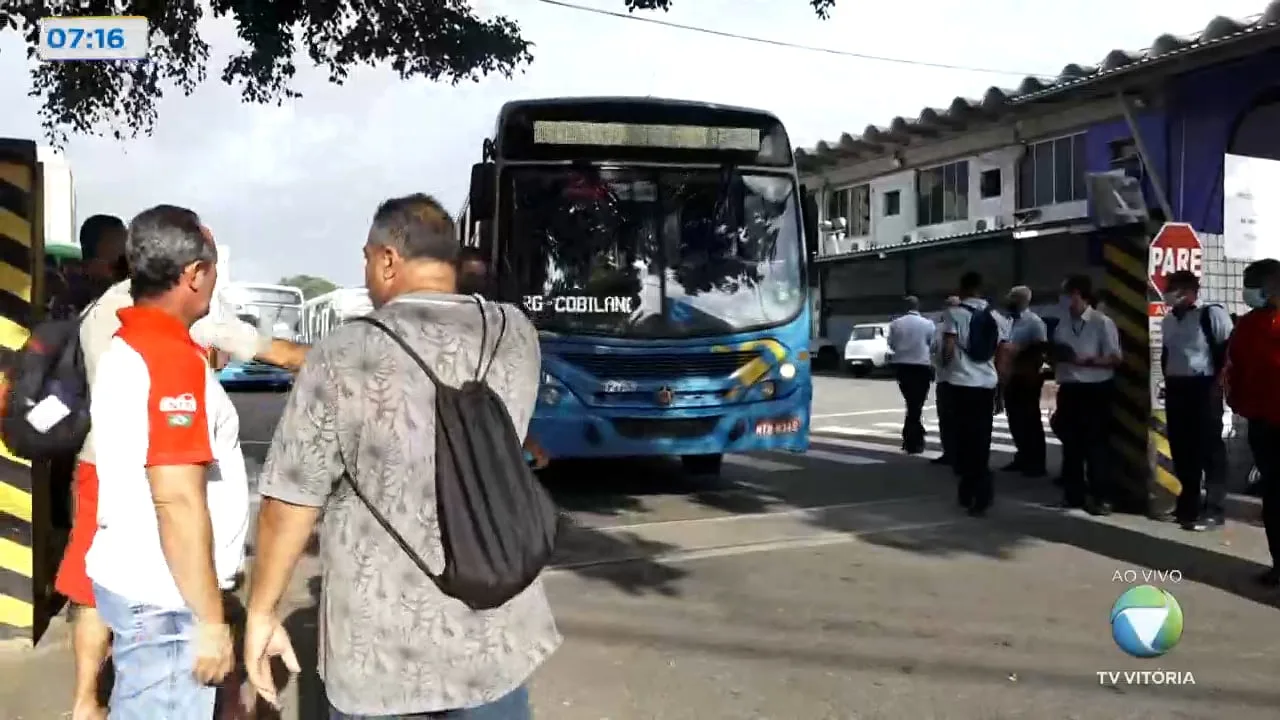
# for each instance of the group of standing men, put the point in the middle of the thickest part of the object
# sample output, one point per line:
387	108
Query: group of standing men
1203	362
162	504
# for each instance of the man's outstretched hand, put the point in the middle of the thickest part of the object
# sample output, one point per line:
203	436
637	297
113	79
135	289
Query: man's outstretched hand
266	638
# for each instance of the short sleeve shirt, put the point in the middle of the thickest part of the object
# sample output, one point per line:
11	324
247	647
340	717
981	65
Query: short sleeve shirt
962	370
224	332
1093	334
392	643
1183	336
154	402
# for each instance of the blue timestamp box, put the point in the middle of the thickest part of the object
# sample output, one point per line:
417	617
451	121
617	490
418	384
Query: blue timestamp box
122	37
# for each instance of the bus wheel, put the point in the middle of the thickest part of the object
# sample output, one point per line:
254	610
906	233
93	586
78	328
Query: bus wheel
702	464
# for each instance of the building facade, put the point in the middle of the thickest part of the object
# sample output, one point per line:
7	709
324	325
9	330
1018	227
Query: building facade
1003	184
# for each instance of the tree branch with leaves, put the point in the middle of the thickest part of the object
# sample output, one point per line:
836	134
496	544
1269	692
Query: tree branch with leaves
438	40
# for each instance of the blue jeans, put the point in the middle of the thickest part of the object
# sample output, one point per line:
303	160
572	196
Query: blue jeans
154	660
512	706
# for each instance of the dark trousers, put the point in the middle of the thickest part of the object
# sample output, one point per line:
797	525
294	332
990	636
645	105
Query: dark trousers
1264	442
1084	427
1193	411
913	382
946	424
1022	407
971	417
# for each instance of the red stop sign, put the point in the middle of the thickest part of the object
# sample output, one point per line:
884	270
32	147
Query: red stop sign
1176	247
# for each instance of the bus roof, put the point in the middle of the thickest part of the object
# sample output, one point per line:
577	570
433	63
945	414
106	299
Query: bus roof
624	101
264	286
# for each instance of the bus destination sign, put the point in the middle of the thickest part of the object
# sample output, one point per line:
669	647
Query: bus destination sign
686	137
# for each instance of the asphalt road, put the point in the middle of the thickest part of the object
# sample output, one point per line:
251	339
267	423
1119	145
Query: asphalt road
844	584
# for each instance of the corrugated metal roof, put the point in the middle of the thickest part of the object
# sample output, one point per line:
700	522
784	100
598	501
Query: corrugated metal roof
876	140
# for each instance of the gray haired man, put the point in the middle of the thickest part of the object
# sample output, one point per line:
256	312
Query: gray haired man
1028	338
393	644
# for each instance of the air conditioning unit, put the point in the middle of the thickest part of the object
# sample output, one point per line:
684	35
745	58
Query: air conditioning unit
985	224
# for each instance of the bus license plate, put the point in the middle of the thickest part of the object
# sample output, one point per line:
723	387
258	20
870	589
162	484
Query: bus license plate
778	426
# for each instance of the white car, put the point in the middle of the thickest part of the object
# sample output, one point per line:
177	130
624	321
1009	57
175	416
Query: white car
867	348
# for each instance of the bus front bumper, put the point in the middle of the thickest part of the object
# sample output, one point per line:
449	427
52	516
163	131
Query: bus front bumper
585	432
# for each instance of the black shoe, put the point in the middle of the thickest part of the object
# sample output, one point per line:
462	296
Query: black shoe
941	460
1097	508
1066	504
1269	579
1216	522
1012	467
1195	526
964	501
913	450
978	511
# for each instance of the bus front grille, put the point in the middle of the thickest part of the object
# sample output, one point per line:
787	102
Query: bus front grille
653	429
608	366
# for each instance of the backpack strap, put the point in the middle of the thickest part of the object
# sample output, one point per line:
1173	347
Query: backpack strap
403	345
1217	350
386	525
502	331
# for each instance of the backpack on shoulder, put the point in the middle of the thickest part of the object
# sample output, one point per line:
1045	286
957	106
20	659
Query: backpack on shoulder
46	398
498	525
1217	350
984	334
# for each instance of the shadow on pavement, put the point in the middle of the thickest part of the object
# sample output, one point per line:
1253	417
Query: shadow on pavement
840	652
617	487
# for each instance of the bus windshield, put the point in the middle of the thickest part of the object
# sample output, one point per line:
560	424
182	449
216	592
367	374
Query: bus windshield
689	252
275	311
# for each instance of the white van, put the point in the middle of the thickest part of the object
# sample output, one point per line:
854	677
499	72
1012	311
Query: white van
867	348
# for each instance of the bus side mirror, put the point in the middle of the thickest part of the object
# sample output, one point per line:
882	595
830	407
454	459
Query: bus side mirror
483	188
809	215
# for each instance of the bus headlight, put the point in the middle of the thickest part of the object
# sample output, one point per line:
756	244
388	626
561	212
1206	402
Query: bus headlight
768	389
787	371
549	395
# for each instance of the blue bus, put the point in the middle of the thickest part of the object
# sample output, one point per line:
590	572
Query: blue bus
659	248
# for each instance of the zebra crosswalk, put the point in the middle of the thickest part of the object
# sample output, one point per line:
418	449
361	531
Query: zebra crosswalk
874	443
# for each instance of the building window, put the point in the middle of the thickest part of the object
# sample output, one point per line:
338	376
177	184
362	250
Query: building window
942	194
854	205
892	203
1052	172
989	183
1125	156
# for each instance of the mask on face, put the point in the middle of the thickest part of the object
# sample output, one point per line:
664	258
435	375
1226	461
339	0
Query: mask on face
1255	297
1173	297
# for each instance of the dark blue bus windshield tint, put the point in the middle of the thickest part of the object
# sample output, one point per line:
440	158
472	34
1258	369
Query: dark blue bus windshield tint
669	253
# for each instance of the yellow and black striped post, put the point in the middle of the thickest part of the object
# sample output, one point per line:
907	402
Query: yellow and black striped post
1134	432
23	573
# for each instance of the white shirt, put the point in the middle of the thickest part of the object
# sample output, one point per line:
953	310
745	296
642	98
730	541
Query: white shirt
1093	334
1028	330
155	401
1187	351
222	330
911	339
961	370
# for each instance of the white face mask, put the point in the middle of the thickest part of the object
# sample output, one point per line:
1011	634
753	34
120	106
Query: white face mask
1173	297
1254	297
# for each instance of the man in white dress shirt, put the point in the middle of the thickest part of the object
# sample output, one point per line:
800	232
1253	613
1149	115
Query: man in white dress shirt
911	341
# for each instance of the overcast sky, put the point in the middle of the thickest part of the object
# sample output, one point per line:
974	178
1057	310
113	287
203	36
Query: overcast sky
291	189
